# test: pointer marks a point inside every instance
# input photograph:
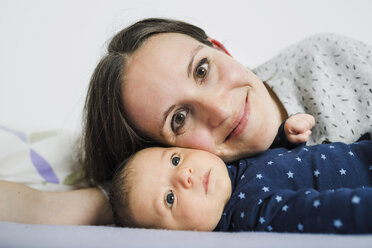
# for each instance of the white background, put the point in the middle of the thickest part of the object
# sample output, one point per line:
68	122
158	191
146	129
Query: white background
48	49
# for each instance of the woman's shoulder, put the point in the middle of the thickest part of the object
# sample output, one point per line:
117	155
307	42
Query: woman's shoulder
330	41
324	37
313	49
319	42
322	43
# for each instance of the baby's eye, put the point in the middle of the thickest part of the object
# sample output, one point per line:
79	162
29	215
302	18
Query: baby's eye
202	69
169	199
175	159
178	120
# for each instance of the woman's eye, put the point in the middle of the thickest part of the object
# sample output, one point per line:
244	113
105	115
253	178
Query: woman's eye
169	199
175	159
202	69
178	120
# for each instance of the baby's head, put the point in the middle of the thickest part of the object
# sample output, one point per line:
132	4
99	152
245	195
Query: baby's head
170	188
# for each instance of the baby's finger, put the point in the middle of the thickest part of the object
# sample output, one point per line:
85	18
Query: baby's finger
299	137
300	124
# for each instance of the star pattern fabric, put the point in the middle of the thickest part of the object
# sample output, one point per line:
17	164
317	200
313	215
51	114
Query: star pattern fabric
316	195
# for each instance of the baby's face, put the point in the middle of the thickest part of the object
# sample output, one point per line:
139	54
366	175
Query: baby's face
178	188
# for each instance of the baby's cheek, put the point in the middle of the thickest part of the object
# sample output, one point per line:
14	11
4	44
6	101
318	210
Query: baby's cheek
198	141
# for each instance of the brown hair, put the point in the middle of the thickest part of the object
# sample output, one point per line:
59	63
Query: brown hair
119	194
108	136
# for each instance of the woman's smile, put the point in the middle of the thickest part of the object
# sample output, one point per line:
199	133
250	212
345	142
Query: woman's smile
241	122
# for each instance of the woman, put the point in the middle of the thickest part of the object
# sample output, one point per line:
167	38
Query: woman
172	70
165	82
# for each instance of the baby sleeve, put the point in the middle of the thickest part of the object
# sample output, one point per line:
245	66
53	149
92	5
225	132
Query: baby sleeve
332	211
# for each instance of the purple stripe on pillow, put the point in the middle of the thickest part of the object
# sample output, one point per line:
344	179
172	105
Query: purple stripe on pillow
43	167
19	134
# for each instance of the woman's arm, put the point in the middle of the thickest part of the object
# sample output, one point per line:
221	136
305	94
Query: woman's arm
19	203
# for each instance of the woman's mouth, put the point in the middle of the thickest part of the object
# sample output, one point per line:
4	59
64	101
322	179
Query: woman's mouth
241	122
205	181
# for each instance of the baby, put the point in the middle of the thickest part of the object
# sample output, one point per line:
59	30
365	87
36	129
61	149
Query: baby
323	188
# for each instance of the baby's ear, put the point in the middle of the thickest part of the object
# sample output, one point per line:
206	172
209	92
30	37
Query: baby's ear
218	45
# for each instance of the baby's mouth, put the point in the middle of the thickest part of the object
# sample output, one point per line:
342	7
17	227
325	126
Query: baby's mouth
205	181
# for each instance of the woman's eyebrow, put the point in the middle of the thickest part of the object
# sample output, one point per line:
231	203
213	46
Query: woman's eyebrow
164	118
189	68
193	54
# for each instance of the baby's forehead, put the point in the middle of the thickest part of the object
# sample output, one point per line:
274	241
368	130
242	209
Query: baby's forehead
158	151
146	156
150	152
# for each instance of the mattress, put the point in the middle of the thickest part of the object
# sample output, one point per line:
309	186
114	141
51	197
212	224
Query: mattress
27	235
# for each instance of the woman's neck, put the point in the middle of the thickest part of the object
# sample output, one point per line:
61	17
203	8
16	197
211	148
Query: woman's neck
283	115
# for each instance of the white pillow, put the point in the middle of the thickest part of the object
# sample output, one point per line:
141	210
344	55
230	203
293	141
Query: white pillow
42	159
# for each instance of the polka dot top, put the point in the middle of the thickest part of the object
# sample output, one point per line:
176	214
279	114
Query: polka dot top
330	77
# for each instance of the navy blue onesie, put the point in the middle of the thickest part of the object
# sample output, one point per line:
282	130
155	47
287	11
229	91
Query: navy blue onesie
314	189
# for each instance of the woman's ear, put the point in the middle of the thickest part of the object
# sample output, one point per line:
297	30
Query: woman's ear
218	45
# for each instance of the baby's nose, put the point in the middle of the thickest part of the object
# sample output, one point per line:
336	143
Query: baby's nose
184	177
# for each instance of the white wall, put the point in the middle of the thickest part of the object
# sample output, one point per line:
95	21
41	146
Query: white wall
48	49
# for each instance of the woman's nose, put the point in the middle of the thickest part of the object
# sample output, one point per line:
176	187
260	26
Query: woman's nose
183	177
215	109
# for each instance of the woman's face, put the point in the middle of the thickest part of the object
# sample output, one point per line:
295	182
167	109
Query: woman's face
181	92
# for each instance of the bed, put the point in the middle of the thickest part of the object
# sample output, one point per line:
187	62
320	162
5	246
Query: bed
22	235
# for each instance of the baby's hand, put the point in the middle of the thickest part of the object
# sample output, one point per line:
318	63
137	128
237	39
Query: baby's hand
297	128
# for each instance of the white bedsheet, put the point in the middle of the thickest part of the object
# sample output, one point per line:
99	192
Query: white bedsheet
25	235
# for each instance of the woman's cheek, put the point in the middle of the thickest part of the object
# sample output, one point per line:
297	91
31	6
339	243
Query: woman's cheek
198	140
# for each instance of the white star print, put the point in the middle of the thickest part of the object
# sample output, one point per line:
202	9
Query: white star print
300	227
331	147
298	159
278	198
269	228
259	176
351	153
370	167
342	171
305	149
229	166
355	199
285	208
270	163
242	177
337	223
262	220
290	174
280	154
265	189
316	173
307	192
316	203
242	215
223	213
241	195
323	157
259	201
